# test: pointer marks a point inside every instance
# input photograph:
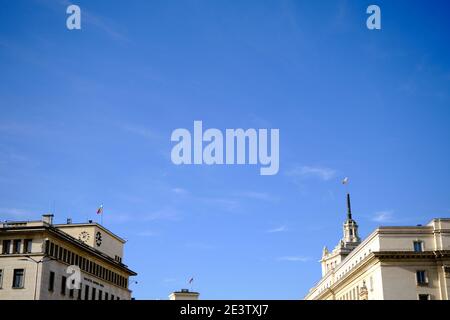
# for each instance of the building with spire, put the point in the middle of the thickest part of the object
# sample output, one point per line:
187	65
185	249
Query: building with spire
392	263
349	241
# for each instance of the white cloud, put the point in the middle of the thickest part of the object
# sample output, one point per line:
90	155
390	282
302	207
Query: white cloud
180	191
279	229
263	196
147	234
294	259
198	245
14	212
141	131
227	204
383	216
312	171
163	214
118	218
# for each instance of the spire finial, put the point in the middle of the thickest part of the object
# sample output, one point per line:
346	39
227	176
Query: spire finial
349	208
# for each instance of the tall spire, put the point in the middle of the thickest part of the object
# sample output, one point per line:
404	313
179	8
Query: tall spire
350	226
349	208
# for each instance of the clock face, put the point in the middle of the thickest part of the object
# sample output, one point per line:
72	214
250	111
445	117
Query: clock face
84	236
98	239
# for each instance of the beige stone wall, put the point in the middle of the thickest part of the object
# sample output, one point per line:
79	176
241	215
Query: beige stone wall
399	281
86	279
370	276
7	265
109	244
404	242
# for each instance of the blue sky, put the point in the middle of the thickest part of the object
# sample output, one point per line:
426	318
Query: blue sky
86	118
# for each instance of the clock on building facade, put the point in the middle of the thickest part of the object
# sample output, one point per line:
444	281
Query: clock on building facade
98	239
84	236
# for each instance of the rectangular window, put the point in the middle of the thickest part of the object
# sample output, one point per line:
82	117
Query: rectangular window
100	295
418	246
112	297
424	297
63	285
421	277
59	250
51	281
106	296
27	246
16	246
18	278
6	246
46	249
1	278
79	292
86	292
52	249
71	293
94	291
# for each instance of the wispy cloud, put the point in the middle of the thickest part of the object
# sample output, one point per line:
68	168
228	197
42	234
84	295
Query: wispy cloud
16	128
163	214
119	218
198	245
14	213
228	204
169	280
294	259
141	131
168	214
383	216
278	229
321	173
147	234
180	191
263	196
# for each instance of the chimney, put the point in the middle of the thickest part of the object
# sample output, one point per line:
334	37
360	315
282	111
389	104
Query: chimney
184	294
69	220
47	218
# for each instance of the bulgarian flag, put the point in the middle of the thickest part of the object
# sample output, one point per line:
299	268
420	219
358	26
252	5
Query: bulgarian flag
100	210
